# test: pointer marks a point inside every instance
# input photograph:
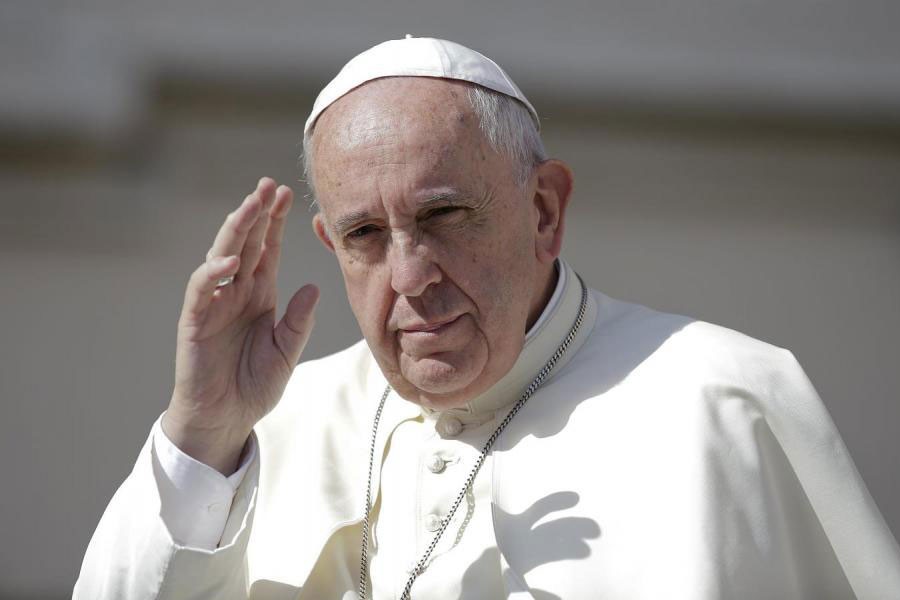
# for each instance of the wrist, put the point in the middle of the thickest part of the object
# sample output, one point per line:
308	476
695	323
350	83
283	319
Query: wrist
219	447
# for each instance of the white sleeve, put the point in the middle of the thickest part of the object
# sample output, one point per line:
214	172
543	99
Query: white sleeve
196	499
133	553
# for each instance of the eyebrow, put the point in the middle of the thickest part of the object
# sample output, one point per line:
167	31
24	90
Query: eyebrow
346	222
443	199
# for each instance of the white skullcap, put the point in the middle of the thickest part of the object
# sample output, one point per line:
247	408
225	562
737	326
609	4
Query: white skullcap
418	57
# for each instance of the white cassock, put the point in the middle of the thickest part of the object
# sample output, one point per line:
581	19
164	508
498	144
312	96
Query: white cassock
664	458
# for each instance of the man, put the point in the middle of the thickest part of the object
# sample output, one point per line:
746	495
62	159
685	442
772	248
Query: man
503	431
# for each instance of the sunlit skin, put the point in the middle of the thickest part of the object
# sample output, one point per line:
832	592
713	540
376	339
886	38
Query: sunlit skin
446	258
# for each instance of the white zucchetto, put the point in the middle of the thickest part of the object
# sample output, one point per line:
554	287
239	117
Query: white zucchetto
418	57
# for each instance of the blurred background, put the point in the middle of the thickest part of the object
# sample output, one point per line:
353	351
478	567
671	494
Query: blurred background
736	161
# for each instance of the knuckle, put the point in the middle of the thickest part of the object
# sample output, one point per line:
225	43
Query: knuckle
198	276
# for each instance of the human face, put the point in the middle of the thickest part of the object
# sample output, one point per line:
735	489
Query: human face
434	236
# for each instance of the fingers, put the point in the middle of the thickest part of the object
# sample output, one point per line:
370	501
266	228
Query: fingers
241	232
268	264
252	249
292	332
203	282
234	232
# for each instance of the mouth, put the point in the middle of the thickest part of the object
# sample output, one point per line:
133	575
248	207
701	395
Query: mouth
435	327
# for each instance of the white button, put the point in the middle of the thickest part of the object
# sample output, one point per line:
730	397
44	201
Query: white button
435	463
432	523
449	426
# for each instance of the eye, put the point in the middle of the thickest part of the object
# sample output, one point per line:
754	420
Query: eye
441	211
361	232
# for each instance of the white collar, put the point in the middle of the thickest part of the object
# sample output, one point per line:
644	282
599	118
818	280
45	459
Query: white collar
551	304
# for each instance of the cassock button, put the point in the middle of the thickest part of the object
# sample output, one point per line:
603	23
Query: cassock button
449	426
435	463
432	523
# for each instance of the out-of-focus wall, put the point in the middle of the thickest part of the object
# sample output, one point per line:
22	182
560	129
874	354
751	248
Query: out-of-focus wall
708	182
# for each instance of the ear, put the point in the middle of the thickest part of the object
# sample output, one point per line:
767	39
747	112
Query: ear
552	182
318	224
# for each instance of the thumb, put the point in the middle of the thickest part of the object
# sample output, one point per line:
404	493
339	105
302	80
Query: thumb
292	332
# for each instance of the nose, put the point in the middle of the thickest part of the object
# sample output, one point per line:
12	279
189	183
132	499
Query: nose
412	267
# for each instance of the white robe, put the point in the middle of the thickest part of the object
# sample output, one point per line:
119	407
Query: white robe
665	458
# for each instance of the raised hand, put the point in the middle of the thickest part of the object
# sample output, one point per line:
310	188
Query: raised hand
232	360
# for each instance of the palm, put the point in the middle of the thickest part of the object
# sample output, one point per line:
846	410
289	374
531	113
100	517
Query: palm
233	361
231	356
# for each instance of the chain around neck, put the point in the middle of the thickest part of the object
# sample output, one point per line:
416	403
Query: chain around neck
486	449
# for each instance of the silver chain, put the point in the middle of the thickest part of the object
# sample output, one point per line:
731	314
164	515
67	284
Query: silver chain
445	521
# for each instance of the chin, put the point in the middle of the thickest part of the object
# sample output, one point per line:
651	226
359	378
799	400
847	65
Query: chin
438	384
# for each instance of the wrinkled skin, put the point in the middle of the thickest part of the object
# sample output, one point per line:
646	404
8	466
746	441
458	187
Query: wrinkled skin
446	258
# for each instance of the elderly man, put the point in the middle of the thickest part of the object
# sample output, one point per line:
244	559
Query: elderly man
503	431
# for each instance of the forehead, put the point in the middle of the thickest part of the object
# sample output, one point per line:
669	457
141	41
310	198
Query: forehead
400	137
395	105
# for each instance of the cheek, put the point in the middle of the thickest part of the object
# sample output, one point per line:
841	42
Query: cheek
369	293
492	268
498	279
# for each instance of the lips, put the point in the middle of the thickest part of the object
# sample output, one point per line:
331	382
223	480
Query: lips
434	327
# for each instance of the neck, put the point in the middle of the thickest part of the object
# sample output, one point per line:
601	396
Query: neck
543	291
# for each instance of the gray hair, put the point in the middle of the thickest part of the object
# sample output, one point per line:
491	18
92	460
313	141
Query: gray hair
506	123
